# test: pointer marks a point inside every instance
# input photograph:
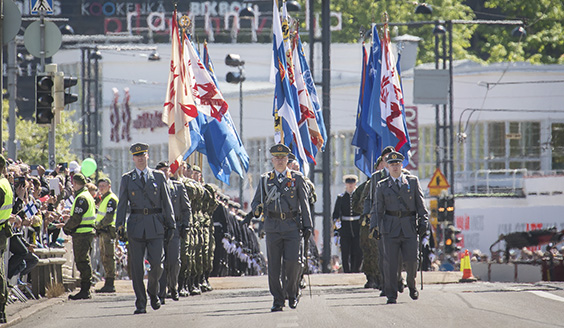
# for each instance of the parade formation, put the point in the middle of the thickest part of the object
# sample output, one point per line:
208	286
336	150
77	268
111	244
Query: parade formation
169	230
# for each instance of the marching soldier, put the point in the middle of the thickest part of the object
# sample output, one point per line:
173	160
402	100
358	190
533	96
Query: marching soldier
348	219
281	195
312	198
399	213
80	225
106	232
182	214
6	199
145	193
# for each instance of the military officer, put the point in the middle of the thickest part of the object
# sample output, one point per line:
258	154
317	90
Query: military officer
145	193
182	214
381	173
399	213
349	221
6	200
80	225
312	198
106	232
282	198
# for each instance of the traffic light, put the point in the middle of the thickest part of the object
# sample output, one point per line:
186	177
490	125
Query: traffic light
61	97
441	209
450	209
452	240
44	98
235	60
235	77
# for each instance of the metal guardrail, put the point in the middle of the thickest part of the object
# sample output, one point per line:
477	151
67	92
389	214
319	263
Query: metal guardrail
491	182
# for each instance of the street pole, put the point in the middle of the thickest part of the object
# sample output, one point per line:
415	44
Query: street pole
12	91
241	130
326	85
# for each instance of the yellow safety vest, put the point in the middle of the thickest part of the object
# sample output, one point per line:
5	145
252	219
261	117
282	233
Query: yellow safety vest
6	208
88	218
102	208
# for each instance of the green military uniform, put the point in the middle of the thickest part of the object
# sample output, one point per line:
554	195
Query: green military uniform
81	227
6	202
369	246
208	248
191	255
106	232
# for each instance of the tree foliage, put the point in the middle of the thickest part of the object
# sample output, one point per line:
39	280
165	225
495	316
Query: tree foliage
34	139
543	19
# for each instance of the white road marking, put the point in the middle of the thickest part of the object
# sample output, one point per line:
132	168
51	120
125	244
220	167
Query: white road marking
547	295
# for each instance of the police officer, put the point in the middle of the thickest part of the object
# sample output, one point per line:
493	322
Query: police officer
348	219
6	200
399	213
182	214
80	225
281	195
145	193
106	232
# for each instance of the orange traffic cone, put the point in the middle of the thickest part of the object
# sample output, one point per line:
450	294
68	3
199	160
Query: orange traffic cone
466	268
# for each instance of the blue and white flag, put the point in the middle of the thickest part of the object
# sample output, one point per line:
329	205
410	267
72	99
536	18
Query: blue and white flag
30	209
285	101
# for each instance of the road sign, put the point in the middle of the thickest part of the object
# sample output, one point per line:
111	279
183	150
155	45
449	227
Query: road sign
32	39
438	183
12	21
38	6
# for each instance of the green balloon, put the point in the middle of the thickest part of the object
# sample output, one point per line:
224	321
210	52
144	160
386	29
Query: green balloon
88	167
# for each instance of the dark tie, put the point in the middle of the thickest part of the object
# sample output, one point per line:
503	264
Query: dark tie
143	178
398	183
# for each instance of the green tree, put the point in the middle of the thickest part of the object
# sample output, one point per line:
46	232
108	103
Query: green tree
544	42
543	19
34	142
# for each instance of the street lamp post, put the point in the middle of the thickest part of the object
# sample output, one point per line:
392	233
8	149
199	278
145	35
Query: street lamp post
234	60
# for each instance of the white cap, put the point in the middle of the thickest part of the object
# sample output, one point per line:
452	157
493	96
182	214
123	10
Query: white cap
74	167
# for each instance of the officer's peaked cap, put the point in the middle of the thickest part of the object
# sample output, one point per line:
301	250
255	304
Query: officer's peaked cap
394	157
279	150
139	148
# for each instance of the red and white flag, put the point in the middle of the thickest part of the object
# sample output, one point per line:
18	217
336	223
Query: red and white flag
391	96
306	106
179	107
206	95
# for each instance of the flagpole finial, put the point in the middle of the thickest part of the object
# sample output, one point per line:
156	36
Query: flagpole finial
385	17
175	3
184	23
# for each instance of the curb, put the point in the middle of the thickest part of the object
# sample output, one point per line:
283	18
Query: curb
31	309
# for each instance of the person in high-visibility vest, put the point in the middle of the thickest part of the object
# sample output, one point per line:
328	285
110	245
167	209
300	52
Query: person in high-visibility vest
106	232
6	199
80	225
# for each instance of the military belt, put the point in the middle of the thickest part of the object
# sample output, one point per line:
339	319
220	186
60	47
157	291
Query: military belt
146	211
350	218
400	214
282	216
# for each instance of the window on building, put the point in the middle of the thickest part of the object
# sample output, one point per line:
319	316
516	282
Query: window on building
557	145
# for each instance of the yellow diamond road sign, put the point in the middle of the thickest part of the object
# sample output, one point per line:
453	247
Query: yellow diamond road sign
438	182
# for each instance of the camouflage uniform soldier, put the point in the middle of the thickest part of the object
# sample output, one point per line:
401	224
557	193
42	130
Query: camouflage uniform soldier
370	249
210	204
194	241
6	200
80	225
106	232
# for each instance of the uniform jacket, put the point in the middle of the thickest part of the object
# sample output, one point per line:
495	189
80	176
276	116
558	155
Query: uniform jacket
180	204
293	198
344	207
132	195
386	199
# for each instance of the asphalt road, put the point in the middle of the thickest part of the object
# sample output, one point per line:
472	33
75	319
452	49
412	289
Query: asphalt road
479	304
